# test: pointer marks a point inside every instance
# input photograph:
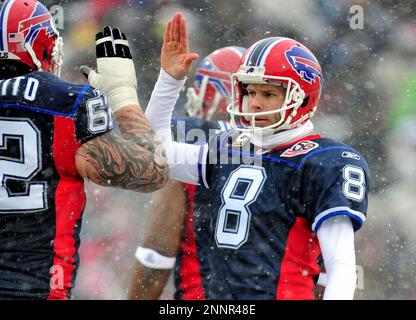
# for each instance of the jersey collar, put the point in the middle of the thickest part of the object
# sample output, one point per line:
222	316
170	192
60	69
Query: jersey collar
284	138
285	146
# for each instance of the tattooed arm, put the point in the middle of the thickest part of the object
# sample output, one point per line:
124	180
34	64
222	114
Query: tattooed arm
135	160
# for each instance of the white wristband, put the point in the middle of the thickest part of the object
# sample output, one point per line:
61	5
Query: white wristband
122	97
116	77
154	260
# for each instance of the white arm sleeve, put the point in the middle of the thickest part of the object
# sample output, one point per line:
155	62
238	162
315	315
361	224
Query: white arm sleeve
186	161
336	239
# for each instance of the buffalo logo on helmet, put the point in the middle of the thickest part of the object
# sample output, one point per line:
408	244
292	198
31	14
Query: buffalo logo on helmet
29	28
305	64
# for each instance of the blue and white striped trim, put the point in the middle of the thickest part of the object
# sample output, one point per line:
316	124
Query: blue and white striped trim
359	217
4	17
202	165
265	52
259	51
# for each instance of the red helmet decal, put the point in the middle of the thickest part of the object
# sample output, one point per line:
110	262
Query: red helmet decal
27	30
213	78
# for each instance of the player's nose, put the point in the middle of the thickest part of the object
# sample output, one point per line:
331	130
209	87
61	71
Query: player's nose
255	104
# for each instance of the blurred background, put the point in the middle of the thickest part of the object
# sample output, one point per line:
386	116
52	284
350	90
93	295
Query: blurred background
369	102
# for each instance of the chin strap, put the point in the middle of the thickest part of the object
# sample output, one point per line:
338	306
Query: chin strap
32	54
57	56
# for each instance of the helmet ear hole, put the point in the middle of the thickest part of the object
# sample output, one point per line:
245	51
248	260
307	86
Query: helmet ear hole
45	55
305	102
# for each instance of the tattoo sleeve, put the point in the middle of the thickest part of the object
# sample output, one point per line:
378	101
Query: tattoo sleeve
134	160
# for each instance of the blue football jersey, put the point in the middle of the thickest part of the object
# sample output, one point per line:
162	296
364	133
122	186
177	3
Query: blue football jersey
192	267
43	121
266	207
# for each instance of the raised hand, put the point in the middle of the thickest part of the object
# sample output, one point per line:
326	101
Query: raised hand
175	56
115	75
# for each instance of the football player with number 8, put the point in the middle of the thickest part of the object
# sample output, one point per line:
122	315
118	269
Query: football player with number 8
291	196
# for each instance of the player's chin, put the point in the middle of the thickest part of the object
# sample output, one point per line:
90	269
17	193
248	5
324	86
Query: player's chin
262	123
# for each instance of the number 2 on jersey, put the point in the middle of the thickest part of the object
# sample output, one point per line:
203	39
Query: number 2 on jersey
20	160
241	189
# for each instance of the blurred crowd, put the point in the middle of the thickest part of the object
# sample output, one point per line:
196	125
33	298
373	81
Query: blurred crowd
369	102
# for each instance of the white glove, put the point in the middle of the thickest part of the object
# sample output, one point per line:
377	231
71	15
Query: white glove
116	75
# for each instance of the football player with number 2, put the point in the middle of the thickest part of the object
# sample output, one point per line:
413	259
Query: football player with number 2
53	134
280	196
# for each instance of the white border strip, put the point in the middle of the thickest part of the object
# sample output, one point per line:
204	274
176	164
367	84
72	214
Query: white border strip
250	50
203	162
122	42
102	40
322	216
153	259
